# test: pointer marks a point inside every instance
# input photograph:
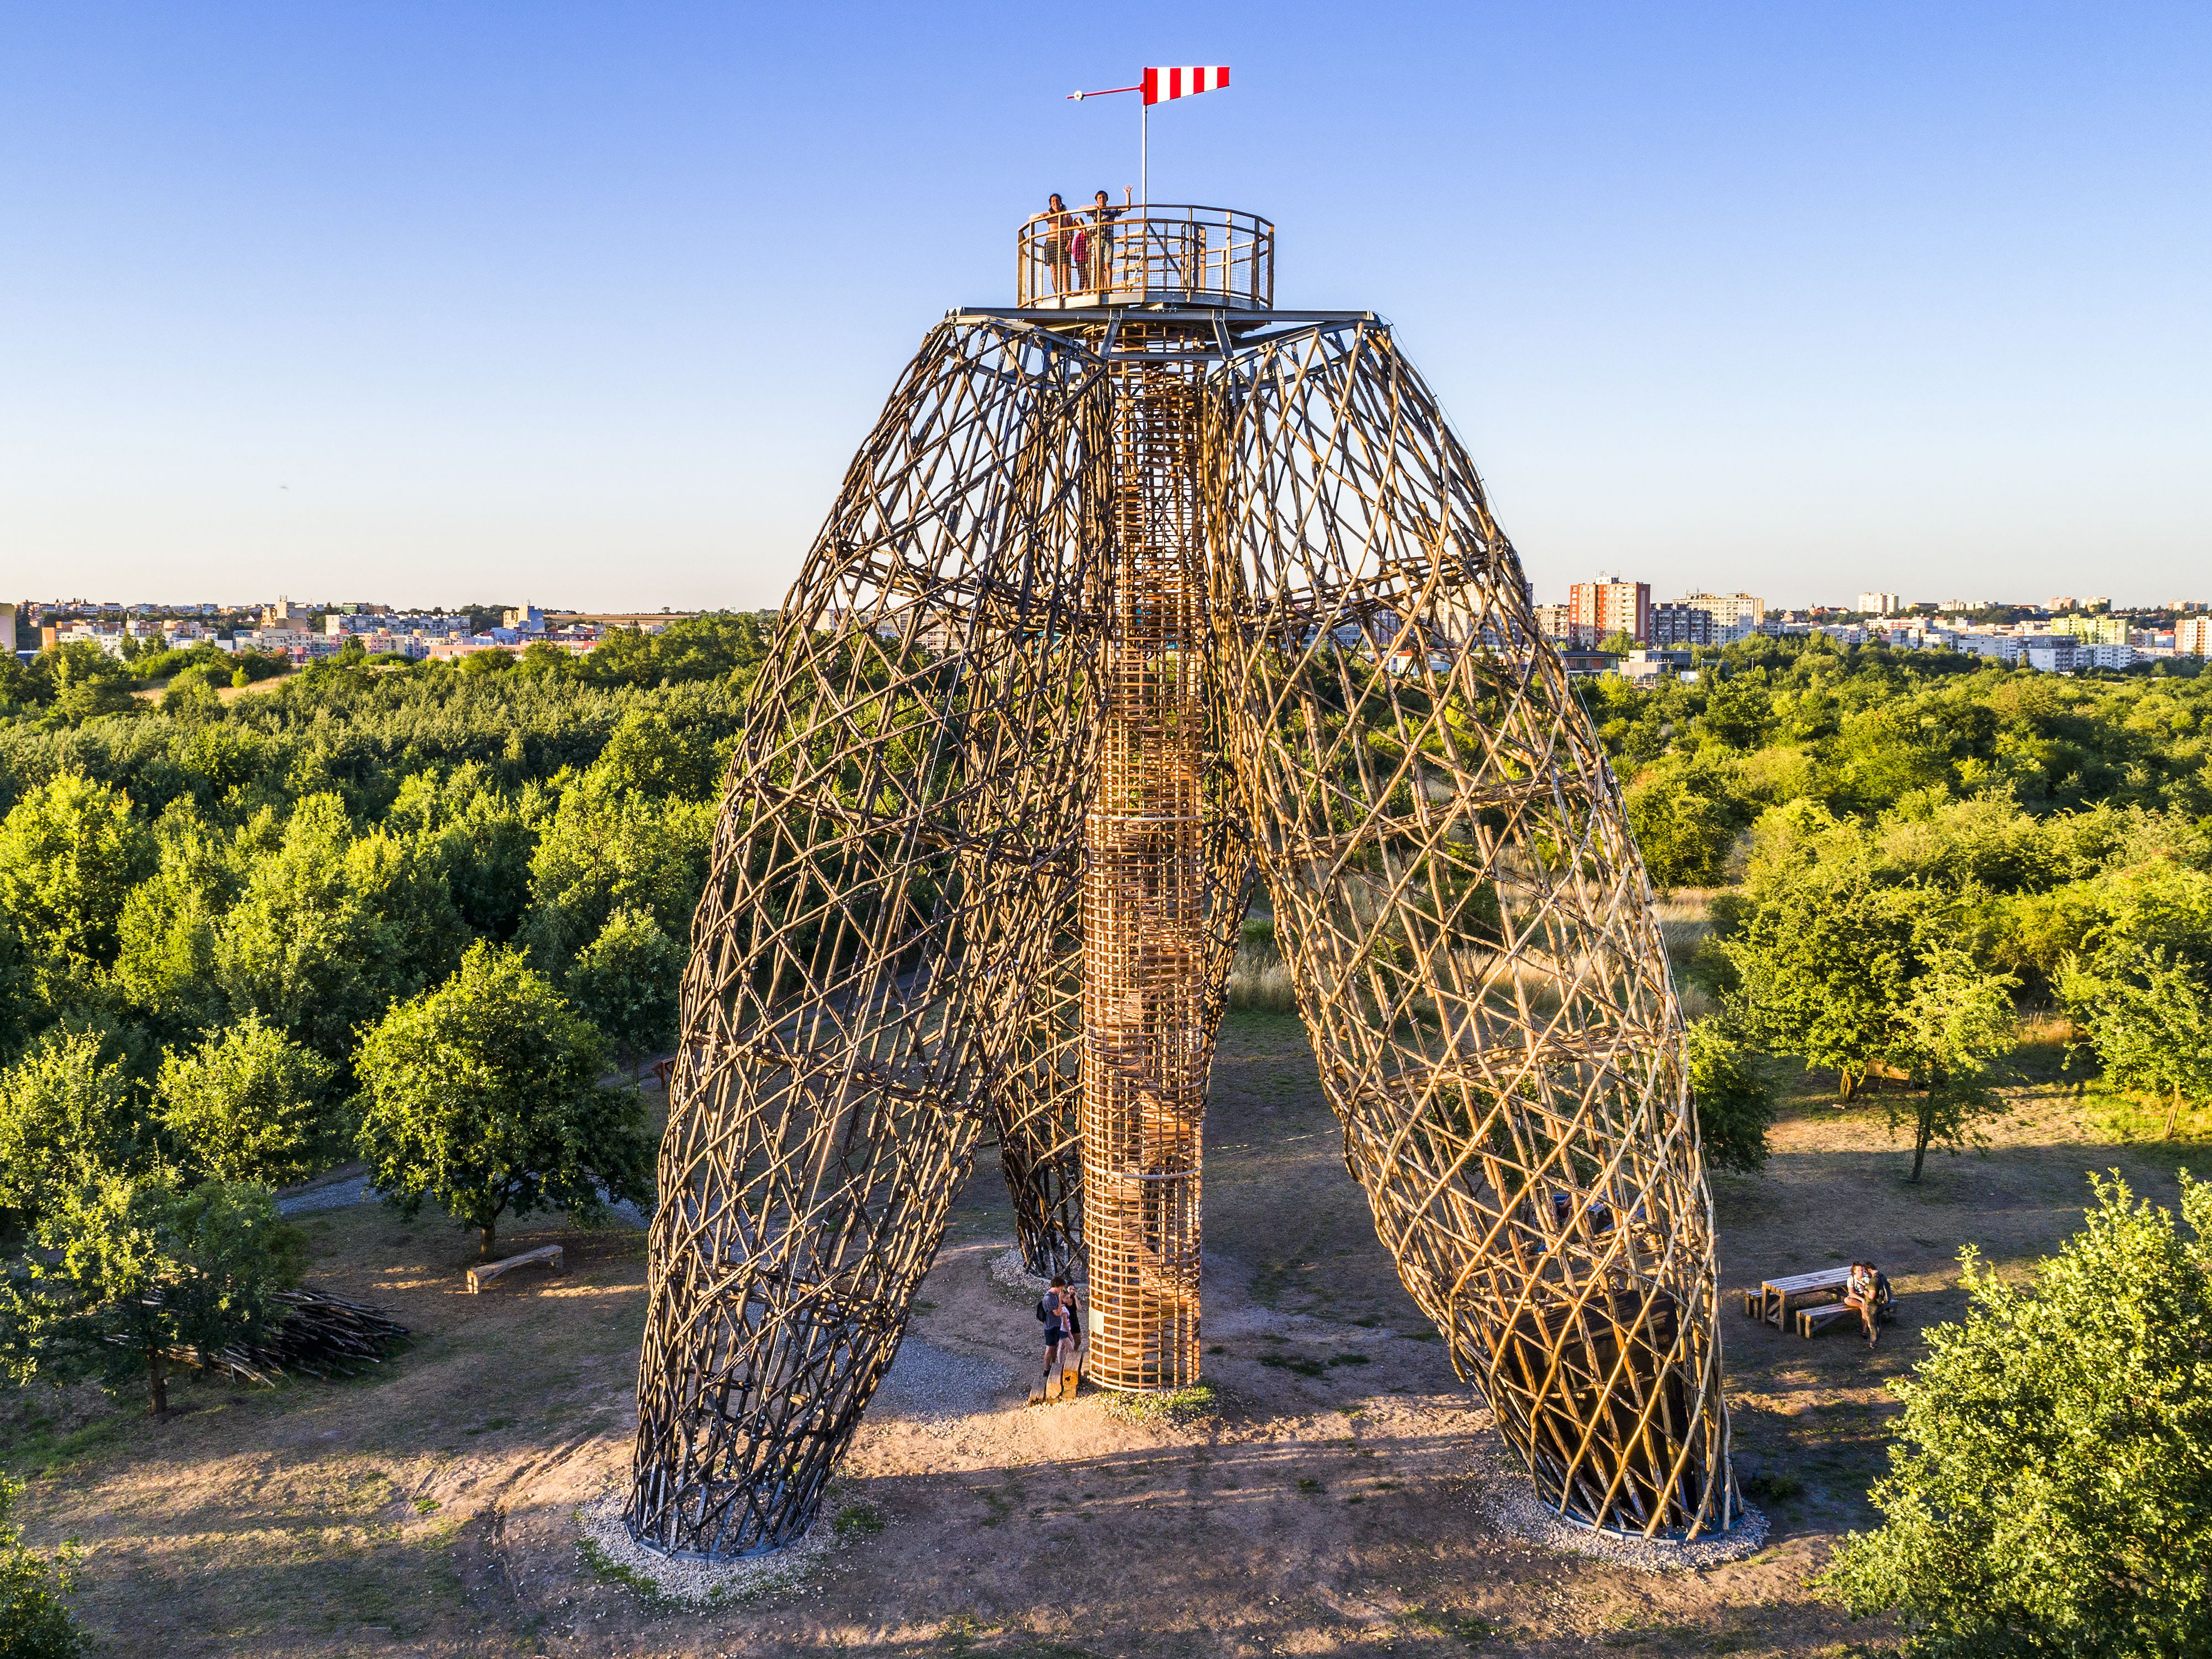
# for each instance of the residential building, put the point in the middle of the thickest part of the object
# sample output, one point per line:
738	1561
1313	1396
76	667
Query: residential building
529	619
2192	636
2050	654
1683	623
1557	621
1880	605
1609	606
2112	656
1735	616
8	628
2092	630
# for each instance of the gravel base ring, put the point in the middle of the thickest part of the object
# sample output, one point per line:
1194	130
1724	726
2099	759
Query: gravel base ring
698	1583
1500	1489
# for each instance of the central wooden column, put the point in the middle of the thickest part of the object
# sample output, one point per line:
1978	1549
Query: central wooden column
1144	940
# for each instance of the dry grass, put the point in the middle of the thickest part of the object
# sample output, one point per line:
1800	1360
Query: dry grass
1317	1505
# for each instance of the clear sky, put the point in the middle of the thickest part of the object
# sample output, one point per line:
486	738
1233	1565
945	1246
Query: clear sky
590	304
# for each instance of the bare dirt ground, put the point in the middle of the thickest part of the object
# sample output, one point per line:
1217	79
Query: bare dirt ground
1321	1508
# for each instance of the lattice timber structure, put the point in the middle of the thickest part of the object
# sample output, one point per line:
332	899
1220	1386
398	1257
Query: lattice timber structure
1139	594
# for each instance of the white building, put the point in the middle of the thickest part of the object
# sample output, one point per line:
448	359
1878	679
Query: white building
1735	616
1880	605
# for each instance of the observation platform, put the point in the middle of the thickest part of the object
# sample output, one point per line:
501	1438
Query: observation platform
1151	254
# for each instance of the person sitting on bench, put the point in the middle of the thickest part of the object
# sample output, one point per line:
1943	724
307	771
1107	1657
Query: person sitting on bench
1867	1290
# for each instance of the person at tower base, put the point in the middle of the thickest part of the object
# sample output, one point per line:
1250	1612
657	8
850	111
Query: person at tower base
1062	1317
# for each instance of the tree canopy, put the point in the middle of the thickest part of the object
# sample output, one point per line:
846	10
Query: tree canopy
484	1095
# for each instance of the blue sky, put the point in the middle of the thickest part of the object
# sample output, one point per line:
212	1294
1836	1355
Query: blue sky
590	304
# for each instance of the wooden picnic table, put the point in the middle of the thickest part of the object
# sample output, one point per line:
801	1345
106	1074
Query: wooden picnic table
1776	1299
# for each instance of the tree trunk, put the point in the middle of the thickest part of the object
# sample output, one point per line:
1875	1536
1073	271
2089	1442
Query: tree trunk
2173	1111
484	1250
1919	1146
1847	1084
159	1383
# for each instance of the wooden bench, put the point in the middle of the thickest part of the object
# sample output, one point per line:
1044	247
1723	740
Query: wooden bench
1811	1321
1776	1299
484	1273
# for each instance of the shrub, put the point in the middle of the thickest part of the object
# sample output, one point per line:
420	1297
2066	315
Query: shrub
2050	1489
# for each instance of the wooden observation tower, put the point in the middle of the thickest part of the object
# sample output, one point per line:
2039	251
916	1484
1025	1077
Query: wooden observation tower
1142	593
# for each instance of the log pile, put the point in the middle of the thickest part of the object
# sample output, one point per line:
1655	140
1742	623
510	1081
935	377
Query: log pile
322	1336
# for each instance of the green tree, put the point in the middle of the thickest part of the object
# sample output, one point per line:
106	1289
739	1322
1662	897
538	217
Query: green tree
35	1621
1821	967
145	1266
646	753
484	1095
247	1104
2152	1026
2050	1490
1734	1106
1956	1020
64	1116
332	929
609	848
69	850
625	983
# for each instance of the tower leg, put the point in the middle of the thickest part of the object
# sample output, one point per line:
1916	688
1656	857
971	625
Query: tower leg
1470	933
902	824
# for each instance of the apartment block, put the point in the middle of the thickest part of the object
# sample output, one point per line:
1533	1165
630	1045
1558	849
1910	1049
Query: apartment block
1609	606
2192	636
1683	623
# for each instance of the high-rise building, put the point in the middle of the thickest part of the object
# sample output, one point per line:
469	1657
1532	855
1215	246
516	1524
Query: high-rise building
1684	623
1557	621
2192	636
8	628
1609	606
1880	605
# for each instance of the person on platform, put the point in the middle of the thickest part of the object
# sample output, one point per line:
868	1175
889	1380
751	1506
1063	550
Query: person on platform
1058	243
1097	254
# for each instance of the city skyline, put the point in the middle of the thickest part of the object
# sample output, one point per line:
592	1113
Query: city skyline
1807	304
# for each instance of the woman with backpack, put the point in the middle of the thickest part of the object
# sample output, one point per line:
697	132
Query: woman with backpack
1061	1314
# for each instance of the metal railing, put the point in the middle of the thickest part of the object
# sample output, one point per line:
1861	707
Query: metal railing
1130	256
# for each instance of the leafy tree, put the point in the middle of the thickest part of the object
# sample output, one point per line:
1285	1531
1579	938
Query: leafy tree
484	1095
1821	968
609	848
2152	1026
35	1621
191	696
1735	1108
2049	1489
145	1265
331	928
1684	832
649	755
69	850
1955	1022
64	1116
625	983
247	1104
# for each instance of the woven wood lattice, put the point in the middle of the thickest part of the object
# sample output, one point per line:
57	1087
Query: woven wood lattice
1110	621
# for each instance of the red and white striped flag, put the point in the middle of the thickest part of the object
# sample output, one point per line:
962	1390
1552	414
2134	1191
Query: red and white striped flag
1161	84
